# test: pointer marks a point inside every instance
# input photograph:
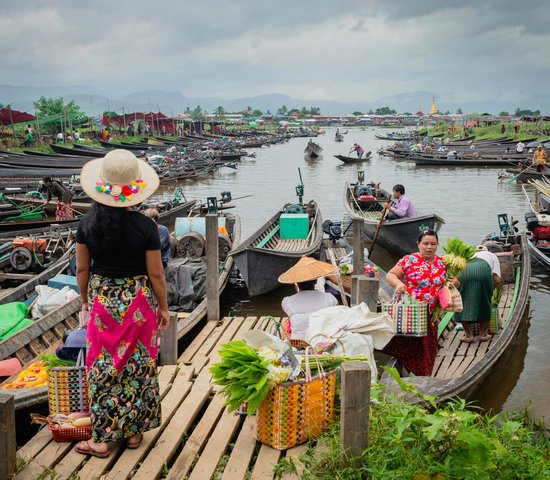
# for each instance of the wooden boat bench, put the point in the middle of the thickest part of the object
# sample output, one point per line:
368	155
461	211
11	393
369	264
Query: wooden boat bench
198	438
290	245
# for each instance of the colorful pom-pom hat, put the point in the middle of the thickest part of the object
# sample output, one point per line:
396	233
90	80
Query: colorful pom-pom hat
119	179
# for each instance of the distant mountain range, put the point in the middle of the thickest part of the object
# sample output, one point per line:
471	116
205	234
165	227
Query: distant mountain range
94	101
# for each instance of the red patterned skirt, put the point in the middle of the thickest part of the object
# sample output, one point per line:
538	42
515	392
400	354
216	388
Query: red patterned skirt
64	211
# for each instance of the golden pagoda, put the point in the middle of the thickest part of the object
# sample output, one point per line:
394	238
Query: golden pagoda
434	108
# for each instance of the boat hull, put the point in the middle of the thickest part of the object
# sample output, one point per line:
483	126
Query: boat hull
400	236
261	266
396	236
347	159
500	350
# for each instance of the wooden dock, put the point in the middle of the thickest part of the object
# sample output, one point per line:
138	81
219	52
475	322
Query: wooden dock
198	437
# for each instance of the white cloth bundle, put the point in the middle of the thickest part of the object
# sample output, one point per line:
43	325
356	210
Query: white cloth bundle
350	331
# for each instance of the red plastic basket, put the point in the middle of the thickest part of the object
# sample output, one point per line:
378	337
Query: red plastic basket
71	434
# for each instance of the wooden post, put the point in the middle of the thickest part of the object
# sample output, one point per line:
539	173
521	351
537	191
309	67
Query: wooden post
354	417
168	348
358	246
8	441
212	268
365	289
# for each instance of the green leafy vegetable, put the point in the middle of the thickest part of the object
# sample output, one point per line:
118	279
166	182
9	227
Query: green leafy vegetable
243	373
53	361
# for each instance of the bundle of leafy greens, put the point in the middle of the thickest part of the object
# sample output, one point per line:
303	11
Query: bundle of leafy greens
457	255
243	373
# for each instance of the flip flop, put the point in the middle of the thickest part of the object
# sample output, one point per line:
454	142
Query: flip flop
467	339
485	338
135	444
88	450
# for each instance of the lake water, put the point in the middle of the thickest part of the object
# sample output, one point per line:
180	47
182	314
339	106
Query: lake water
469	200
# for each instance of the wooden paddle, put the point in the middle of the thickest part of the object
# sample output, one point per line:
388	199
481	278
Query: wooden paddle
386	208
338	277
514	178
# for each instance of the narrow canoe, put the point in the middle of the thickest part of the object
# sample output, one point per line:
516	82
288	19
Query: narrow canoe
365	158
397	236
264	256
461	368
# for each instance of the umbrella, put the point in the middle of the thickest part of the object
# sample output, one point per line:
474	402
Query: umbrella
253	124
532	144
283	123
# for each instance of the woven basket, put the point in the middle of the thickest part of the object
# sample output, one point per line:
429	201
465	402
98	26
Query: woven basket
70	434
409	315
294	412
68	388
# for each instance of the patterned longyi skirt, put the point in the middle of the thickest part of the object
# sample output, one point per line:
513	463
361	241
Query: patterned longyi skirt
121	358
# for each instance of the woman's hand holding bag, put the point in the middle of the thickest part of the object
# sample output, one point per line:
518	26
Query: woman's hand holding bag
449	298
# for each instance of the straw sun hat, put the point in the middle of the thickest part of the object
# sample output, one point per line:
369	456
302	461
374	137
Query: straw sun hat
119	179
305	270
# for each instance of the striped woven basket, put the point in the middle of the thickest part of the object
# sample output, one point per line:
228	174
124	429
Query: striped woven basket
68	388
409	315
294	412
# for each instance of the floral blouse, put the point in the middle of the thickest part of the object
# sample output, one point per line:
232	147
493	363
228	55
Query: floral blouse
423	279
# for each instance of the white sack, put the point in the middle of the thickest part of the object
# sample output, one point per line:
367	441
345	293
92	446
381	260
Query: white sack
50	299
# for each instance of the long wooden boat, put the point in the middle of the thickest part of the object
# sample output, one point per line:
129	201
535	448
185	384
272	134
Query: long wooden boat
461	368
537	235
524	176
168	213
264	256
313	150
75	151
397	236
365	158
461	162
125	147
394	136
540	251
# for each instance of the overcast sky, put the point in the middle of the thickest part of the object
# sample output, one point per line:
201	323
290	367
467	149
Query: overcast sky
349	50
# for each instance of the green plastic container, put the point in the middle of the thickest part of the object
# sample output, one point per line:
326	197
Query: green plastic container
294	226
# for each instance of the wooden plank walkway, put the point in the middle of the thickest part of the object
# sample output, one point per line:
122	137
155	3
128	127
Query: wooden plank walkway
198	437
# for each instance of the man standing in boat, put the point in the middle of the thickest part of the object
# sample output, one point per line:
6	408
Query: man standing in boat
64	210
401	207
358	149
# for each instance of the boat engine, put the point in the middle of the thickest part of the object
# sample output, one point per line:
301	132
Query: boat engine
27	252
333	228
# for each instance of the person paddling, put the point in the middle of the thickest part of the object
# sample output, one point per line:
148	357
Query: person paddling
402	206
358	149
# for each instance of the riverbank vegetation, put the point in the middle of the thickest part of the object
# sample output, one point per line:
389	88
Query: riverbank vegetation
449	441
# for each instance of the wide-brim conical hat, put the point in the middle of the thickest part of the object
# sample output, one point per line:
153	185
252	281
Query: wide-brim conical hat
305	270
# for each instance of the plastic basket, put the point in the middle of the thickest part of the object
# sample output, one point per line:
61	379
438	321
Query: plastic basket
74	434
